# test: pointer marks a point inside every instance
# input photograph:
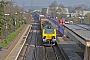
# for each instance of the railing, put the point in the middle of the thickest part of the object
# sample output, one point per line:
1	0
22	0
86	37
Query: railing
60	27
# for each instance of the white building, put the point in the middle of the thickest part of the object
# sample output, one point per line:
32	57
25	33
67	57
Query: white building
77	13
58	10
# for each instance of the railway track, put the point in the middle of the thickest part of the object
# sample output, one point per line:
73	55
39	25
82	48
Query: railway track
34	49
53	53
26	47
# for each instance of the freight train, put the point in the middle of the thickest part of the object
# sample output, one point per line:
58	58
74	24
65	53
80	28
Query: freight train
48	32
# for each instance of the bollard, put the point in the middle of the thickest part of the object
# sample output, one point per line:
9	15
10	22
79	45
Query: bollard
0	48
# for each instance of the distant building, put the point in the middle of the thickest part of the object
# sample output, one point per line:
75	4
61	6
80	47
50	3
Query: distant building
37	10
79	13
85	12
64	10
44	11
58	11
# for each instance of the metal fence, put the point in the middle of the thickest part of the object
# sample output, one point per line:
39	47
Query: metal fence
60	27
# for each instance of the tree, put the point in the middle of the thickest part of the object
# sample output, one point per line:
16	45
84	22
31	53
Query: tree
2	19
8	8
87	18
57	10
53	8
61	5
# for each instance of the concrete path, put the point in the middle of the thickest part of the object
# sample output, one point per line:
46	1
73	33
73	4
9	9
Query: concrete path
4	53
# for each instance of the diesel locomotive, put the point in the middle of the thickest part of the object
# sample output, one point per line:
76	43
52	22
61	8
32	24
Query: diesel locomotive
48	32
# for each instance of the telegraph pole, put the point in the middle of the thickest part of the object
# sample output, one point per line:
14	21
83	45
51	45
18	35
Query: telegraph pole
23	4
54	9
31	4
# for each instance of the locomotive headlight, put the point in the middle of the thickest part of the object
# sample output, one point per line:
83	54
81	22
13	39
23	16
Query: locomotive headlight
53	38
44	39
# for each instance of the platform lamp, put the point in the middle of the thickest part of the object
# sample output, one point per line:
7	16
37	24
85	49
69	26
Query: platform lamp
15	21
21	18
81	18
6	26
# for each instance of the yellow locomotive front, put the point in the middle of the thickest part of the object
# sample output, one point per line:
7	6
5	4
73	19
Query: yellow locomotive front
49	35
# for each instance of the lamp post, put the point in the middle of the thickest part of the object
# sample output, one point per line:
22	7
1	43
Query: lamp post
6	27
23	17
20	18
15	21
81	18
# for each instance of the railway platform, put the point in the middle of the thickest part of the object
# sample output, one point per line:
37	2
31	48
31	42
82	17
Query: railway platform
13	50
82	35
70	49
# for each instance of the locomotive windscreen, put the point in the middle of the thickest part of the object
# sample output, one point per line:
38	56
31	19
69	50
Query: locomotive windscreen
49	31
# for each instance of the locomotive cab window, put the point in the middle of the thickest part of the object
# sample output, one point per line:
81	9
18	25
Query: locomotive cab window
49	31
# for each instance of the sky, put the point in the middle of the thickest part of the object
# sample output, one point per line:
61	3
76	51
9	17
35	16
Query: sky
45	3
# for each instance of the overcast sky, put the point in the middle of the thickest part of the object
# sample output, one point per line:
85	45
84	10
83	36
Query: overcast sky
44	3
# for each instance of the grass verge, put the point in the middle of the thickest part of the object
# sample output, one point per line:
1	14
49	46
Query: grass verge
11	37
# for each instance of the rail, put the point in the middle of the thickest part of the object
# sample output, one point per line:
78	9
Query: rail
13	55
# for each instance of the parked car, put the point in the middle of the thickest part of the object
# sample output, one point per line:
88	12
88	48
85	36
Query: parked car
66	22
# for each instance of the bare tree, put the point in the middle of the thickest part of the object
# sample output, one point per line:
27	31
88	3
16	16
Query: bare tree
87	18
53	8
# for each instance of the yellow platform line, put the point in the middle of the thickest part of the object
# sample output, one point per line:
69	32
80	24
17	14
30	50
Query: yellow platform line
16	46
